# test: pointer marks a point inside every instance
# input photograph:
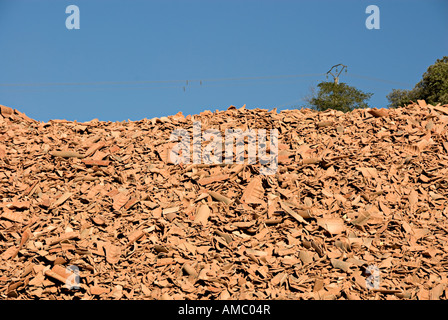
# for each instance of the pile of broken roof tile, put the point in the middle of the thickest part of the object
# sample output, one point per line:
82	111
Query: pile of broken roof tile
356	210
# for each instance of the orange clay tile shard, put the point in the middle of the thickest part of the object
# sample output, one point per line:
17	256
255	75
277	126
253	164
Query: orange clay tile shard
61	199
209	180
332	225
95	147
378	112
355	194
63	237
98	290
119	200
17	205
254	192
136	235
220	197
202	214
292	213
61	274
6	111
96	162
165	154
2	151
113	253
66	154
12	215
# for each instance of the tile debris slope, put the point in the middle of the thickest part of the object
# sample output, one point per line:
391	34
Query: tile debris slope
353	191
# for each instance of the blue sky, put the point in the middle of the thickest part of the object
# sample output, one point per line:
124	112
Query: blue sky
131	41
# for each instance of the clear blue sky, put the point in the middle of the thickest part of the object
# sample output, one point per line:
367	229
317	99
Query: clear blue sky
130	41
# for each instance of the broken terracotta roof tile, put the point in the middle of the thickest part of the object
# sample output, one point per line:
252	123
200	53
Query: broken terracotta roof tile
356	195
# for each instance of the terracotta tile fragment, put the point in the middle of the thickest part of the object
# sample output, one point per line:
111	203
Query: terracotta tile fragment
92	162
12	215
98	290
119	200
113	253
208	180
6	111
353	192
61	274
61	199
202	214
332	225
378	112
2	151
254	192
66	154
136	235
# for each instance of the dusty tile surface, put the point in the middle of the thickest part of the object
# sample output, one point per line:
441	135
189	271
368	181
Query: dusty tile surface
355	195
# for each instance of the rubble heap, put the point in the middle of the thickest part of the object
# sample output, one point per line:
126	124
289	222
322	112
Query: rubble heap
356	210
